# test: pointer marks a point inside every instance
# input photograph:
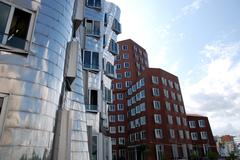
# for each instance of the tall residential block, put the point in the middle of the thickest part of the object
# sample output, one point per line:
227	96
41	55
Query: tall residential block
56	68
147	119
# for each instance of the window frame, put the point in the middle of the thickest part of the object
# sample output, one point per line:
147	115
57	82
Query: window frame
93	28
91	61
3	110
30	31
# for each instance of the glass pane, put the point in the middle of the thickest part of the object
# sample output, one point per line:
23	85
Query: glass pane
94	97
4	12
97	28
95	60
88	26
98	3
90	3
1	103
87	59
94	148
19	29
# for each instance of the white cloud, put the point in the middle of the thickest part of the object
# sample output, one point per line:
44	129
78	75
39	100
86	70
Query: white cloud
216	94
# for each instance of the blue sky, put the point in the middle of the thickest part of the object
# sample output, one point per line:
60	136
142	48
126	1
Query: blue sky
199	41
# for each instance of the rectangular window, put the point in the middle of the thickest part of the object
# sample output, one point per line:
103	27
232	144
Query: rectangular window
194	136
157	118
126	65
114	142
180	133
160	152
113	47
143	107
121	117
92	28
157	105
204	135
173	95
172	133
192	124
121	129
179	97
158	133
112	130
108	95
143	135
155	92
110	70
125	47
119	85
184	121
94	3
120	107
127	74
176	86
94	147
164	81
125	55
119	96
111	108
116	27
112	118
187	135
178	119
122	153
3	106
119	75
143	120
168	106
170	119
166	93
155	80
182	109
121	140
175	106
16	27
201	123
91	60
170	83
118	66
93	101
128	84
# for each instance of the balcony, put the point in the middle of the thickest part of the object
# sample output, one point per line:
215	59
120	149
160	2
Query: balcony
91	108
113	47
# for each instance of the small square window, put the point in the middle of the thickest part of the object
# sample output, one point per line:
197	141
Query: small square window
125	56
125	47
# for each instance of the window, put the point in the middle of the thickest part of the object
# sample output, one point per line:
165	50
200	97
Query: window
160	152
178	121
16	27
117	58
182	109
92	28
122	153
94	3
187	135
143	135
129	102
166	93
168	106
110	70
119	75
143	107
176	86
121	117
204	135
105	19
184	121
173	95
170	119
120	107
154	79
179	97
119	96
155	92
108	95
138	109
113	47
111	108
121	140
91	60
94	147
172	133
125	55
127	74
157	118
180	133
93	101
125	47
112	130
133	112
116	27
112	118
192	124
201	123
114	155
164	81
142	94
128	83
118	66
170	83
114	142
121	129
158	133
157	105
175	106
194	136
119	85
126	65
143	120
3	106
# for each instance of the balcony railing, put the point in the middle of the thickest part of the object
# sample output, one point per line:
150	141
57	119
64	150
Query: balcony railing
91	108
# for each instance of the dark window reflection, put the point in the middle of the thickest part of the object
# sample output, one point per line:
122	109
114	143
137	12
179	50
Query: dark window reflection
4	13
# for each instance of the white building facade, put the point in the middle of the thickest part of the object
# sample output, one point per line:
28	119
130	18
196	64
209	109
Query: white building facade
56	59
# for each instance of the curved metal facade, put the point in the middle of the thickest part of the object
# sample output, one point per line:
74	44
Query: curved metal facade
41	119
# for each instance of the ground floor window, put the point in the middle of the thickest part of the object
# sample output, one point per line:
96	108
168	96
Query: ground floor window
159	152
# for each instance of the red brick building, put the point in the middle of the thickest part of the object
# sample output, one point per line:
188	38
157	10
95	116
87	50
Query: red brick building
201	135
147	119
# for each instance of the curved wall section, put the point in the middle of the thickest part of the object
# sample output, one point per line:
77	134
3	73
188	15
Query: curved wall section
31	82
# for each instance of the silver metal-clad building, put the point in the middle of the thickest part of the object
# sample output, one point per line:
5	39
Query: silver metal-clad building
56	68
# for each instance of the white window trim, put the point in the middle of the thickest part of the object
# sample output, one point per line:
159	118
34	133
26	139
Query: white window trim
3	111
